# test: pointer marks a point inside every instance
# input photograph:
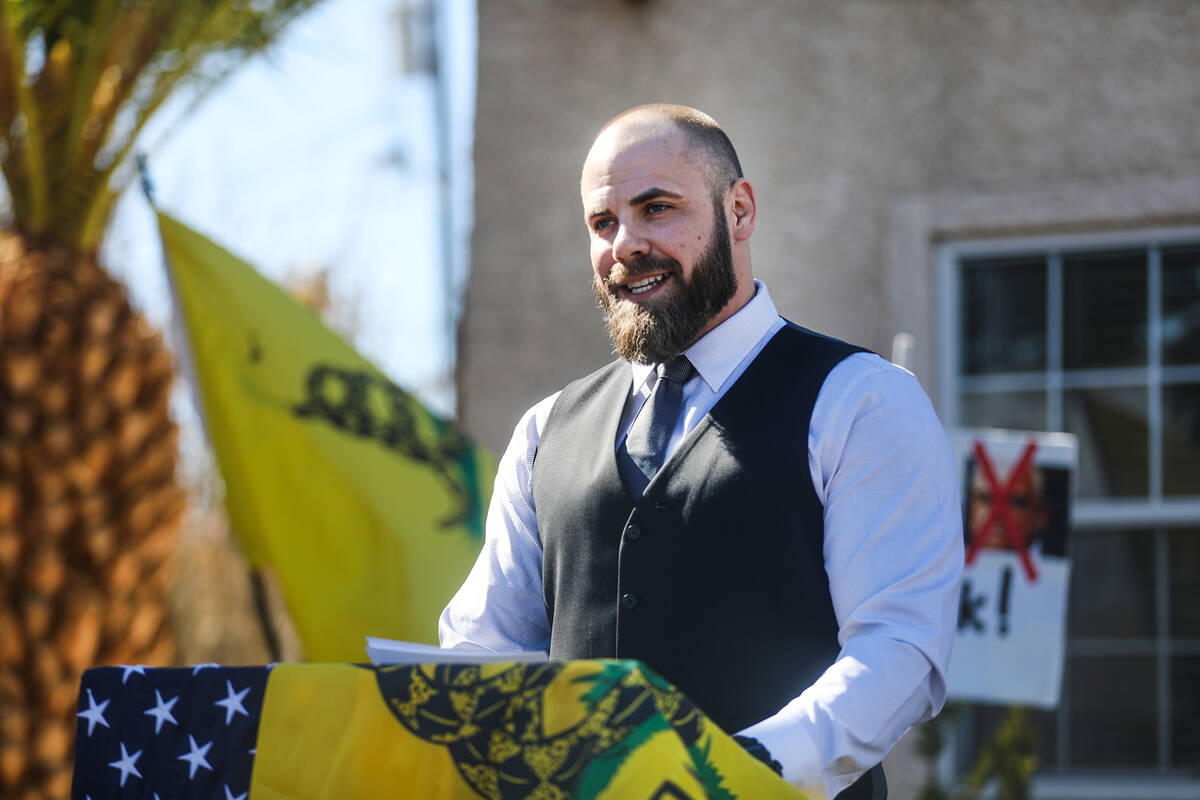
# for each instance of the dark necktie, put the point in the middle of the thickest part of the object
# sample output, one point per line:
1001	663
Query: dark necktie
645	445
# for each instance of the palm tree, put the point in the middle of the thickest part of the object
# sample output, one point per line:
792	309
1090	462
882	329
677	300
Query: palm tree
89	504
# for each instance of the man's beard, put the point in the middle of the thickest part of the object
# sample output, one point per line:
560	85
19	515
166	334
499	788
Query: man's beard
655	331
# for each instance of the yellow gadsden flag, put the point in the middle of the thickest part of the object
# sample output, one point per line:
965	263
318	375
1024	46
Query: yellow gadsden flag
586	730
368	507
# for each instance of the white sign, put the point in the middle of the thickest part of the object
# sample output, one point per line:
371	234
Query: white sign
1017	489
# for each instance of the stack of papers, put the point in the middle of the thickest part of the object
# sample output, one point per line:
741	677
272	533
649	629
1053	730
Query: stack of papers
390	651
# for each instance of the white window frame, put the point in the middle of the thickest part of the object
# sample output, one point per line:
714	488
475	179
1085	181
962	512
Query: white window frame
1152	512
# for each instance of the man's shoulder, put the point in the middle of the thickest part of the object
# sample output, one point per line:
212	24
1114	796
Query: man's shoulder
868	380
796	333
533	421
848	370
802	355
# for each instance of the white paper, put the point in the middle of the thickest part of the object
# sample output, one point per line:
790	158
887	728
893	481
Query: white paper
1010	644
391	651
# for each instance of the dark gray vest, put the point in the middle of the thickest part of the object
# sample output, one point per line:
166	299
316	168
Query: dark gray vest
715	577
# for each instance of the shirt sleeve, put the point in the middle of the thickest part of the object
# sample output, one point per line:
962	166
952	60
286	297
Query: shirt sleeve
882	467
500	605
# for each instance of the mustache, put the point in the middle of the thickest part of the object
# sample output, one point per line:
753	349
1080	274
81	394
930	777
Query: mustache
636	267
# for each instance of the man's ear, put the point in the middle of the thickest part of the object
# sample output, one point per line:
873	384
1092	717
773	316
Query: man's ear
745	211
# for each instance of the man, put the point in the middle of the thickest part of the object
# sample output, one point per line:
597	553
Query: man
793	565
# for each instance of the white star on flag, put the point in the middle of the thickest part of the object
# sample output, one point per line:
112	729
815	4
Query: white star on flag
196	758
231	796
162	711
233	702
198	667
126	764
94	713
129	670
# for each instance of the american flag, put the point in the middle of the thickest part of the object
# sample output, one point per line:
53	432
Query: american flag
167	733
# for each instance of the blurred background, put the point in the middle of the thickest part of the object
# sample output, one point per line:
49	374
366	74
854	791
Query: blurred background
1006	196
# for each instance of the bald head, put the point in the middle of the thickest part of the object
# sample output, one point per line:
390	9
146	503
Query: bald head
700	133
669	221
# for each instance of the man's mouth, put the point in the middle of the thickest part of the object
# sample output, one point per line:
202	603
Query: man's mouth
642	286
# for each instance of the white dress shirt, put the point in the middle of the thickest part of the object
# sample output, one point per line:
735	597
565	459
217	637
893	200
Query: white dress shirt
880	464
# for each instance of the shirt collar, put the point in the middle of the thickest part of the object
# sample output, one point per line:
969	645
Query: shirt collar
716	354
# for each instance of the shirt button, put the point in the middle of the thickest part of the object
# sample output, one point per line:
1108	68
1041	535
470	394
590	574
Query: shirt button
633	533
629	599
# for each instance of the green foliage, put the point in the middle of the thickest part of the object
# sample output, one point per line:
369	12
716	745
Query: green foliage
1010	760
79	79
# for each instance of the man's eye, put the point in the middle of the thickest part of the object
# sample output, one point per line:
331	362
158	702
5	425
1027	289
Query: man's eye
655	208
601	224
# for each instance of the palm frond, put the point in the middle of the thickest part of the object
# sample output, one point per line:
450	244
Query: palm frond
79	80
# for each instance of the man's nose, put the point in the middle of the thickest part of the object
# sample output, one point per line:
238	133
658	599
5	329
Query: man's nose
629	243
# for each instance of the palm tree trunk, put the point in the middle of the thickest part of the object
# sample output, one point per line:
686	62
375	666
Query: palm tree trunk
89	505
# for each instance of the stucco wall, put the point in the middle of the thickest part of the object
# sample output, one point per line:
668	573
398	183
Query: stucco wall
847	116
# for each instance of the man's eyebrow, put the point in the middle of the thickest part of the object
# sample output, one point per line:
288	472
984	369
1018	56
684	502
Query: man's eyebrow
652	193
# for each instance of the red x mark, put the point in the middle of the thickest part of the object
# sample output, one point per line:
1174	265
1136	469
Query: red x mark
1000	508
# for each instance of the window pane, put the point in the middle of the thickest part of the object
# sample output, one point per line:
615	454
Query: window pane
1022	411
1004	315
1104	313
1181	306
1111	426
1185	712
1112	711
1112	585
1184	549
1181	439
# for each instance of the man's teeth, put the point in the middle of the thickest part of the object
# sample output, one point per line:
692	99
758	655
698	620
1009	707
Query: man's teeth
645	285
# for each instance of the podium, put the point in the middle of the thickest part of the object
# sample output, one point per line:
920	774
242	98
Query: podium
549	731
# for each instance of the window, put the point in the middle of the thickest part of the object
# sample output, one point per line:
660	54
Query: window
1100	336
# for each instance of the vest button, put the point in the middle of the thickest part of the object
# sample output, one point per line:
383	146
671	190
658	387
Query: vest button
629	599
633	533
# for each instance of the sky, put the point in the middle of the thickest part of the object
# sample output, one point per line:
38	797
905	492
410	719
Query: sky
321	153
